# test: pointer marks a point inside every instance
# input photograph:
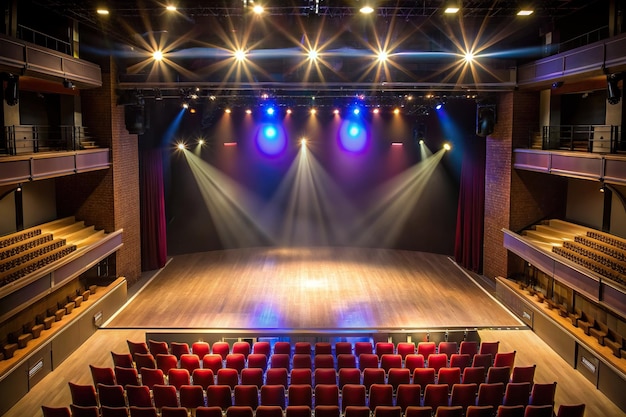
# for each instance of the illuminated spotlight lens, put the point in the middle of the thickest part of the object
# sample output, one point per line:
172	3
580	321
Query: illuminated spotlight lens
382	56
270	111
200	141
376	111
181	146
336	111
447	146
258	9
469	57
396	111
157	55
356	111
352	137
438	106
312	55
271	140
240	55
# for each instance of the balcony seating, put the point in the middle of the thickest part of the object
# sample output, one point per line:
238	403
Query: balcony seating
616	342
599	331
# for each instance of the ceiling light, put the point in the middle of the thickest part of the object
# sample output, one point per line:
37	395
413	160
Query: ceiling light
367	9
240	54
524	12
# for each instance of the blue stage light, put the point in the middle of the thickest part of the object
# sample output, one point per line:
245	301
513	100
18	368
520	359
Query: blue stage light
271	139
353	136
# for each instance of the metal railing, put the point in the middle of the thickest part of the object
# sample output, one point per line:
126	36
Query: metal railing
22	139
583	138
39	38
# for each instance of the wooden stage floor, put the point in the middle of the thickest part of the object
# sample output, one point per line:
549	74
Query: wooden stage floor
312	288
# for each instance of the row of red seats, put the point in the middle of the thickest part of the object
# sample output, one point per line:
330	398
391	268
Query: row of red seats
403	349
565	410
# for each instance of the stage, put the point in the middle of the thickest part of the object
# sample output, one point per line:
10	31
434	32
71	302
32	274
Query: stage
318	288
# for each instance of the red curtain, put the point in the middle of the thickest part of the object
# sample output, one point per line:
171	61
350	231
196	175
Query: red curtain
468	245
153	227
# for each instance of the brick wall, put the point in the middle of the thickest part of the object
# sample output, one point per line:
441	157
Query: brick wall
498	188
108	199
514	200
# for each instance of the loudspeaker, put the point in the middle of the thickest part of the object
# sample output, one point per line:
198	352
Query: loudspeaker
12	91
134	116
614	94
485	119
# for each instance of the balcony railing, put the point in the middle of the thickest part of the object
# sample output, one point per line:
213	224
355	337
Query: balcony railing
582	138
39	38
22	139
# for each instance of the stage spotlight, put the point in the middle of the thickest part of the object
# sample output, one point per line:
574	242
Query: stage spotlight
288	111
336	112
170	8
157	55
201	142
239	55
613	91
382	56
376	110
185	105
447	146
271	139
181	146
227	111
312	54
352	136
366	10
257	9
396	111
439	106
270	111
469	57
248	111
421	142
303	142
313	111
356	111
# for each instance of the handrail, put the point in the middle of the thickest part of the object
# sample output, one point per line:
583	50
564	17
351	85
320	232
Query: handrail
584	138
40	138
39	38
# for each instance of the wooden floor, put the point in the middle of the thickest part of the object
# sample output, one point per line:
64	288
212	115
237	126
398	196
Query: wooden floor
312	288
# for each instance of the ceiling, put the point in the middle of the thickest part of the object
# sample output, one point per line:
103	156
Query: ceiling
425	47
